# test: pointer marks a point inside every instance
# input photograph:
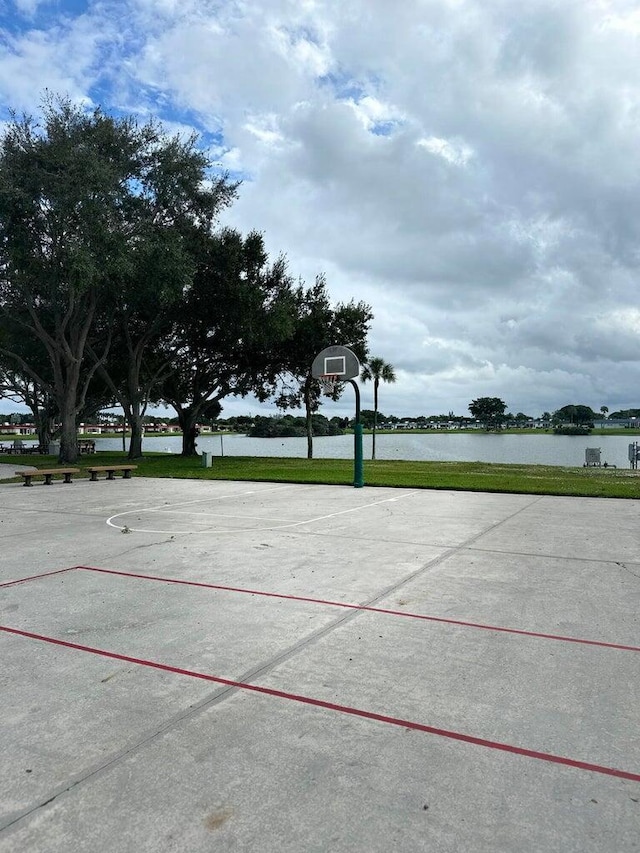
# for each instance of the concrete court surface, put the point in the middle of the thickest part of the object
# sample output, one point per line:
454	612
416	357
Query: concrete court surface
183	669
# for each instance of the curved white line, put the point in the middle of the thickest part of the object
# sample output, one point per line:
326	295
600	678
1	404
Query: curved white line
110	521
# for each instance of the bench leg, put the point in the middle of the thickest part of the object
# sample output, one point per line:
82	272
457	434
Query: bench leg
126	475
94	477
111	475
47	479
67	478
27	481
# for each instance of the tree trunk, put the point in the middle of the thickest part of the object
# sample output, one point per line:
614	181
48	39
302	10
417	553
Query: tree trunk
69	433
44	432
43	423
187	421
375	418
189	446
135	442
135	422
309	423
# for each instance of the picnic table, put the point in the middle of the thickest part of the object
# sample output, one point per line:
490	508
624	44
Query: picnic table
17	447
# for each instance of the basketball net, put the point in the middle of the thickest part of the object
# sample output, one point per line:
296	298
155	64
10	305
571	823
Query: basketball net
328	383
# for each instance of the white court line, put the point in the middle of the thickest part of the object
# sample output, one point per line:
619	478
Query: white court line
215	498
204	515
288	525
190	503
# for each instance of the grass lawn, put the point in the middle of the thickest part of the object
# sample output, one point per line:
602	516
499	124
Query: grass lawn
632	433
464	476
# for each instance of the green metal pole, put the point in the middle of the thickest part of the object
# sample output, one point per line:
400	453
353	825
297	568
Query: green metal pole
358	458
358	463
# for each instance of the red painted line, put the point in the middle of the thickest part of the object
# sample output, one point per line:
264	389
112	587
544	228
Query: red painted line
343	709
43	575
405	614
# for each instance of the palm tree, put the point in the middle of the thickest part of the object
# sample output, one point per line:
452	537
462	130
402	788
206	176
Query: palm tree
378	370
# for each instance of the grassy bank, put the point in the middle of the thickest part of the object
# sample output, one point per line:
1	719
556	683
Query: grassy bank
632	433
464	476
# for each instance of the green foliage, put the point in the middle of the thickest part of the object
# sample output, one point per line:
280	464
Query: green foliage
229	327
368	417
211	411
570	429
287	426
489	411
377	370
278	427
113	287
240	423
318	325
625	414
92	213
578	415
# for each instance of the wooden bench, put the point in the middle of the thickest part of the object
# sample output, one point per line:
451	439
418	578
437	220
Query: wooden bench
47	473
94	470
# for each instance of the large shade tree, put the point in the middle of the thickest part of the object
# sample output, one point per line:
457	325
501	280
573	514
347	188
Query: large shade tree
489	411
228	328
575	413
377	370
143	312
319	324
81	195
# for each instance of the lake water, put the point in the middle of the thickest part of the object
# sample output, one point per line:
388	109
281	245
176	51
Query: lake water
544	449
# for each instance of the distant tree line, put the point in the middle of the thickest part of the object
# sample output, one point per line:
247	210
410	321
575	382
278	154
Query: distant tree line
244	423
625	414
289	426
573	419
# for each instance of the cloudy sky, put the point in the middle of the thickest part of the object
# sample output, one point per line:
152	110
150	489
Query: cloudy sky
470	168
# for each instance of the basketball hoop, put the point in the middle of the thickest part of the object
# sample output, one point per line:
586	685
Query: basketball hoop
328	383
333	367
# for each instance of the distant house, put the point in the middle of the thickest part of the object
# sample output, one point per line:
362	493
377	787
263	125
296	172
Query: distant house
18	429
614	423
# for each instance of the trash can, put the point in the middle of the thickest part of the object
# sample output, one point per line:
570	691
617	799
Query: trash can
206	459
54	448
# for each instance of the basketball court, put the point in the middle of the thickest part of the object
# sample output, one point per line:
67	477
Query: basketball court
206	665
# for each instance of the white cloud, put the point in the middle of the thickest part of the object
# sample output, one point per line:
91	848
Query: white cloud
265	129
454	152
65	59
30	7
373	114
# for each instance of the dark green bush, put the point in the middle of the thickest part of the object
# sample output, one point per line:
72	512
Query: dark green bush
572	430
